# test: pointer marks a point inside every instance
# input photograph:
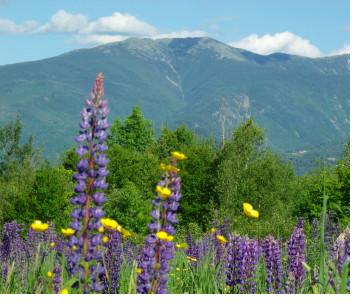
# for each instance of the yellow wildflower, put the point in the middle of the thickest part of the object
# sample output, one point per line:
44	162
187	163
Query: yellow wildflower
165	167
212	230
109	223
247	207
64	291
221	239
50	274
138	271
174	169
191	259
249	211
105	239
68	232
182	245
164	236
52	244
74	247
178	155
38	226
125	233
163	192
101	229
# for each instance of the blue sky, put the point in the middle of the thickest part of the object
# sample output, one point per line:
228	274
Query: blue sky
36	29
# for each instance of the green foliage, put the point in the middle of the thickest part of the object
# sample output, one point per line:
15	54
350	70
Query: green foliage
136	133
309	191
247	172
128	206
14	155
127	165
171	140
44	195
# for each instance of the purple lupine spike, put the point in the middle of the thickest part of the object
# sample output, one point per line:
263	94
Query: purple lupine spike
157	253
113	258
192	251
85	246
57	280
296	254
272	258
13	247
252	261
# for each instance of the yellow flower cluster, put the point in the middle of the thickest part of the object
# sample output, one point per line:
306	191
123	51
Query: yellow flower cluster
163	192
191	259
109	223
221	239
164	236
178	155
68	232
38	226
212	230
125	233
169	168
249	211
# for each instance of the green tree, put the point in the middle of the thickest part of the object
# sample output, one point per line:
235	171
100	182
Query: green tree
129	207
135	133
13	154
248	172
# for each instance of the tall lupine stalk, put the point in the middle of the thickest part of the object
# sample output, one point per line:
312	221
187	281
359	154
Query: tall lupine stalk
113	258
85	258
296	256
242	259
192	251
159	249
274	270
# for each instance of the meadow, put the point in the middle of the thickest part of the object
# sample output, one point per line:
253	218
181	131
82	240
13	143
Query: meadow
125	213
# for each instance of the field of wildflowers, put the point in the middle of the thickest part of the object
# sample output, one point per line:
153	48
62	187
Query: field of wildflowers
95	254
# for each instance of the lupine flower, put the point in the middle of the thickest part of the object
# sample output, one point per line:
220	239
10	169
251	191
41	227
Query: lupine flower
272	258
85	257
113	258
296	254
38	226
242	259
159	249
57	280
193	251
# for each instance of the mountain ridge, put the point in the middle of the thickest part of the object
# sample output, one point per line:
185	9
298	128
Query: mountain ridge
201	82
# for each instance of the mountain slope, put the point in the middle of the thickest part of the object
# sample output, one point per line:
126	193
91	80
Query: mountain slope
300	102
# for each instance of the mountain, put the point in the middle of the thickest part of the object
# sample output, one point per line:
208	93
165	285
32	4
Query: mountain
300	102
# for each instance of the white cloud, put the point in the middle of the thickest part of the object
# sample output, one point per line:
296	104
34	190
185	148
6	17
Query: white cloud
120	23
106	29
8	26
63	21
344	50
285	42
